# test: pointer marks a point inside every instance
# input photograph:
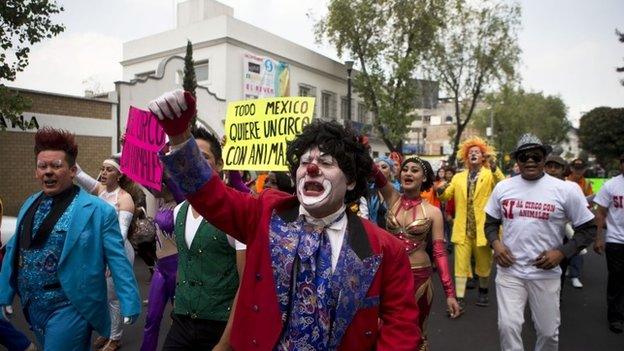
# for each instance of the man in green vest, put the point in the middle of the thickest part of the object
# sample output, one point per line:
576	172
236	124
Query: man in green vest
209	265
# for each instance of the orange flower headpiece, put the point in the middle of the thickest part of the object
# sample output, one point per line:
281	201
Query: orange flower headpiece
488	151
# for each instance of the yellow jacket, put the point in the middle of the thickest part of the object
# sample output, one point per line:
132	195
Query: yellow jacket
458	189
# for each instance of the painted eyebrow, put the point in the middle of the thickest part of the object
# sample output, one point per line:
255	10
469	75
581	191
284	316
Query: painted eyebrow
326	159
308	155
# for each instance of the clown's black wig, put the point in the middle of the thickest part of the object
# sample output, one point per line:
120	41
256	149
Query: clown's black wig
333	139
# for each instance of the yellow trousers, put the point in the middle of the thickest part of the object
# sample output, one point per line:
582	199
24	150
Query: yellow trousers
482	254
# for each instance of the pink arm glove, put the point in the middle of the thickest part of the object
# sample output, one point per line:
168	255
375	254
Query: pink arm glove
380	178
441	261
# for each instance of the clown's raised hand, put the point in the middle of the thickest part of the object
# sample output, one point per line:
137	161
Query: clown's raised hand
174	110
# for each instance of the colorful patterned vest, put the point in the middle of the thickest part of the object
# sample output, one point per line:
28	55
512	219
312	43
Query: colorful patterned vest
37	278
207	276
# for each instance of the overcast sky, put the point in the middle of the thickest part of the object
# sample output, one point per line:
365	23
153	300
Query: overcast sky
569	47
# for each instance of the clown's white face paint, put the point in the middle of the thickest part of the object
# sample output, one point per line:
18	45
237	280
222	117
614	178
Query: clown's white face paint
321	184
312	200
475	157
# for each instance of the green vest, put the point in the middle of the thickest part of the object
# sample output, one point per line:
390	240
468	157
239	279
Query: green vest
207	276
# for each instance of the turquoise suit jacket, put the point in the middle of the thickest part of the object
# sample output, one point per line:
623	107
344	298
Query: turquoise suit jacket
93	242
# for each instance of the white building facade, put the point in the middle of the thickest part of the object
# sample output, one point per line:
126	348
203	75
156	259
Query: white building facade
233	61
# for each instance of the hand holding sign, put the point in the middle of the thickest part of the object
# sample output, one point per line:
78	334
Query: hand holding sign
174	110
142	141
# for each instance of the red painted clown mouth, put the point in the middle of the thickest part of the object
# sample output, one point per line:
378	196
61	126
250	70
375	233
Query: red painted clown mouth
312	192
313	188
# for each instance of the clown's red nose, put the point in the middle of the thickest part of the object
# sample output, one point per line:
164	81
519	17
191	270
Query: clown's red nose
312	169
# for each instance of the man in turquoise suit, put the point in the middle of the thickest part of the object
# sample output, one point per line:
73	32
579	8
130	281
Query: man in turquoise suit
56	261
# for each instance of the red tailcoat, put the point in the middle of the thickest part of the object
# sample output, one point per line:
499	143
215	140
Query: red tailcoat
384	318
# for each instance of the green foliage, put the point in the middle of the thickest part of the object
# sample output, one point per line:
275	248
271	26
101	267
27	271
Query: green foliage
189	82
515	112
601	132
22	24
386	38
476	50
12	104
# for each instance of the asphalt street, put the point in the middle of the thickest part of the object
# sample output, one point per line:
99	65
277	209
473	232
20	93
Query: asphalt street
583	315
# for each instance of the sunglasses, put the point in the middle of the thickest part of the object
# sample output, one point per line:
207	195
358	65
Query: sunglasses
535	156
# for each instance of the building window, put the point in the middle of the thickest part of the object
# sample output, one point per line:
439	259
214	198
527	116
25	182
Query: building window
201	72
448	119
305	90
308	90
344	108
361	113
328	105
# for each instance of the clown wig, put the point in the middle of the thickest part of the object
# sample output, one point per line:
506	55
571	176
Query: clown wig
488	151
342	144
48	138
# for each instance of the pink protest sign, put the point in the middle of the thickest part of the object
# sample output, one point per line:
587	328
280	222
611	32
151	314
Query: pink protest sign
139	157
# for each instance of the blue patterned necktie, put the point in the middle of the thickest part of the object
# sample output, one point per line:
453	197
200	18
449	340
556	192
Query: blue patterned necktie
312	304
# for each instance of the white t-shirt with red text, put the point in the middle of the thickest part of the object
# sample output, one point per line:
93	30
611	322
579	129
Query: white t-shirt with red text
611	196
534	214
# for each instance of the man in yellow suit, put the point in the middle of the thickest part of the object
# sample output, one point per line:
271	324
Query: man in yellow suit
471	190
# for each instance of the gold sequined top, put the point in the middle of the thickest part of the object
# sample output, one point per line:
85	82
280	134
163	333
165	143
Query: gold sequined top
402	221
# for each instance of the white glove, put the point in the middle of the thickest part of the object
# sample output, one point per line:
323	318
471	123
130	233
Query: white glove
174	110
161	105
125	219
84	180
7	312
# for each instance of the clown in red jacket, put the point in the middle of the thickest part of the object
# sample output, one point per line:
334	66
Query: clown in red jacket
317	276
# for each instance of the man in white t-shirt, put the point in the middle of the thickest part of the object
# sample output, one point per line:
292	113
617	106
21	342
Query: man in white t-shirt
611	198
533	209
